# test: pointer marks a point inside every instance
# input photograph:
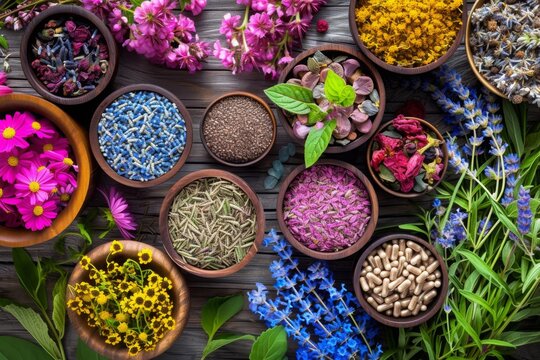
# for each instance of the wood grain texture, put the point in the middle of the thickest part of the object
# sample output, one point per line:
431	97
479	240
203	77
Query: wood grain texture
197	91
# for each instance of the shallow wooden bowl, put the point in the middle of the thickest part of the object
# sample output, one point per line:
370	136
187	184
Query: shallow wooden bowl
401	69
322	254
336	50
26	53
410	321
94	142
164	222
412	194
162	265
77	139
469	51
260	101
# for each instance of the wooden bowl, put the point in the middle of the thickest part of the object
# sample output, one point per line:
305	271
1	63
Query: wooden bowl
336	50
410	195
94	141
77	138
260	101
400	69
469	51
164	219
410	321
162	265
26	53
321	254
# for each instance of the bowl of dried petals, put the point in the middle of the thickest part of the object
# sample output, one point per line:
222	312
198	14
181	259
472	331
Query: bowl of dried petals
127	300
408	157
45	170
328	211
410	36
68	55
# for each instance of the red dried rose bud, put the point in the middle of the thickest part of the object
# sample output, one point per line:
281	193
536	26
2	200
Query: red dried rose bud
322	26
407	126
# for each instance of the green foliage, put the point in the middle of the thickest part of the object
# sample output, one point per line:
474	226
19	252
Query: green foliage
317	141
13	348
337	91
85	353
3	42
270	345
292	98
31	276
218	310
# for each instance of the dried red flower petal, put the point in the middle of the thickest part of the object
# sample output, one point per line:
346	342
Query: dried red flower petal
377	158
389	144
407	126
414	165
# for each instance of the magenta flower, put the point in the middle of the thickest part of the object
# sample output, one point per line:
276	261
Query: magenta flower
66	178
3	78
12	162
59	162
182	57
260	25
4	89
65	192
229	25
42	128
56	143
196	6
7	197
38	216
35	184
150	16
118	206
13	131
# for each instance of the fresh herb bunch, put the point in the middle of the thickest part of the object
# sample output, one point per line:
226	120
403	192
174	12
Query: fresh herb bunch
486	226
325	319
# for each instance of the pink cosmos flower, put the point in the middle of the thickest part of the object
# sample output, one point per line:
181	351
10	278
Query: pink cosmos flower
183	28
38	216
66	178
183	58
42	128
35	184
64	194
4	89
260	24
7	197
56	143
119	211
13	131
196	6
12	162
59	162
299	26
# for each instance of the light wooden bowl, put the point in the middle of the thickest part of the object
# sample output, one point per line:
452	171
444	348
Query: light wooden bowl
324	255
353	26
164	222
162	265
94	141
26	53
78	141
409	321
412	194
469	51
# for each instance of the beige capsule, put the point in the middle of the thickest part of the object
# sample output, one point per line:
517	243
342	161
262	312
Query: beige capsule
384	274
382	254
396	283
413	303
418	289
371	260
363	272
395	252
377	289
413	269
386	264
432	267
372	302
424	254
404	286
405	313
377	298
394	263
422	277
423	308
430	295
374	278
384	307
417	309
388	312
392	298
388	251
408	254
384	291
364	284
437	283
378	262
393	274
428	286
397	309
414	246
405	273
376	271
432	277
416	259
405	303
402	245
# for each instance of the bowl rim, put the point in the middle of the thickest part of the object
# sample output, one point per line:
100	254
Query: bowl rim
378	181
181	298
88	16
410	321
359	244
77	138
469	53
164	226
94	140
353	27
239	94
365	63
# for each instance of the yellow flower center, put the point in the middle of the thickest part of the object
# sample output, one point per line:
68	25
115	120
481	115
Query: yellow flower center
68	161
123	327
48	147
36	125
143	336
13	161
102	299
40	168
38	210
8	133
1	192
54	190
33	186
65	197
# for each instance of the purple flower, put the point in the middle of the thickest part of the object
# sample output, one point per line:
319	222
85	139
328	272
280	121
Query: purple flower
119	212
260	24
524	218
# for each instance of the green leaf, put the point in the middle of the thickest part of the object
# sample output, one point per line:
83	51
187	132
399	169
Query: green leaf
85	353
347	96
385	174
427	342
412	227
59	305
478	300
218	310
221	340
34	324
293	98
513	127
270	345
316	114
3	42
333	87
532	277
136	3
317	141
30	276
526	313
13	348
483	269
496	342
465	325
520	338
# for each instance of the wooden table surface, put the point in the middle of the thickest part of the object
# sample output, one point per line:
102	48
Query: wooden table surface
197	91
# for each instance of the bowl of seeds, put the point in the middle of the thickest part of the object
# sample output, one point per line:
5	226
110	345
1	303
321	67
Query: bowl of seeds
68	55
211	223
328	211
408	37
503	49
401	280
141	135
232	119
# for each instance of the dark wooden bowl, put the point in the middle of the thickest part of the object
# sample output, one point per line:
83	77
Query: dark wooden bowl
400	69
164	219
410	195
260	101
78	141
26	53
321	254
162	265
336	50
94	142
410	321
469	51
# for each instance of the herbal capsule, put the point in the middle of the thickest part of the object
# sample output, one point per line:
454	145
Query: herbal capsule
413	269
397	309
393	274
388	312
384	291
402	246
418	289
378	262
416	259
372	302
395	251
414	246
384	307
422	277
371	260
386	263
374	278
423	308
437	274
391	299
377	289
437	283
430	295
388	251
405	273
376	271
385	274
432	267
382	254
396	283
425	256
364	284
405	313
413	303
417	309
405	303
394	263
404	285
363	272
378	299
428	286
408	254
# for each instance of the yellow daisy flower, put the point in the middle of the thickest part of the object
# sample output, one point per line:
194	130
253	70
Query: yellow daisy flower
145	256
85	262
116	247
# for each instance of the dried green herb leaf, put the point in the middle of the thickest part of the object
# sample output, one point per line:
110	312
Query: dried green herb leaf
313	65
321	58
385	174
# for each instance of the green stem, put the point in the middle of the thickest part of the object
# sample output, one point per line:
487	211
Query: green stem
54	332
